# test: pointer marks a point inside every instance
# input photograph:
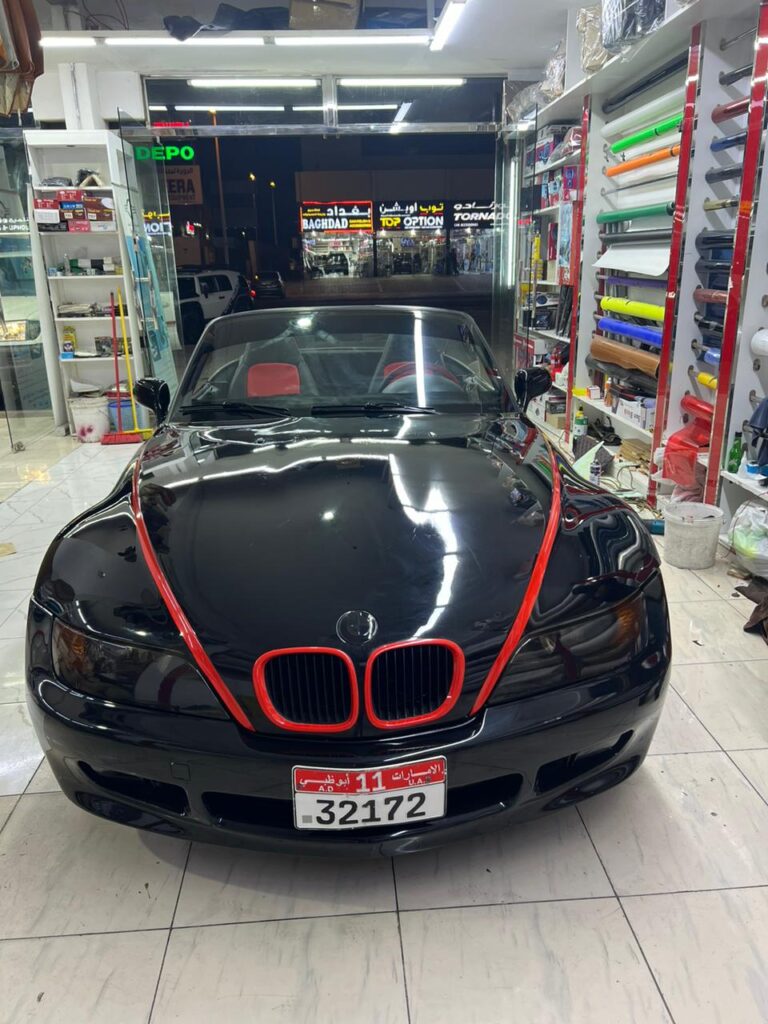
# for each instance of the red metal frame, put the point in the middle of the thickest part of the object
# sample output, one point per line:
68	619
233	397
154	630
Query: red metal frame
532	590
269	709
750	164
676	249
454	691
176	612
576	247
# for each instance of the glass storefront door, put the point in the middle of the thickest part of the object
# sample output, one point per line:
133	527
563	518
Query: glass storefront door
26	403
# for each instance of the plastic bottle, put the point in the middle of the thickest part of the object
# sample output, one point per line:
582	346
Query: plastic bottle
580	423
595	473
734	455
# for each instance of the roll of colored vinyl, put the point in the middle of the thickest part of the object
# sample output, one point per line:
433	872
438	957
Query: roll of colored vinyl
708	324
714	240
648	335
633	212
660	107
719	204
629	307
758	346
728	142
636	237
707	380
725	111
713	267
713	295
710	356
663	127
643	161
729	77
715	174
616	281
626	356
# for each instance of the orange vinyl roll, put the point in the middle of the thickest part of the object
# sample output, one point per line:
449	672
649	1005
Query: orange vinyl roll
624	355
643	161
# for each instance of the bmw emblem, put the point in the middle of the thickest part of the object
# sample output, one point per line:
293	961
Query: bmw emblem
356	627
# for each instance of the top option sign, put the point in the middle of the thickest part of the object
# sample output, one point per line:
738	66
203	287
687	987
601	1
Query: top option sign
474	215
337	218
411	216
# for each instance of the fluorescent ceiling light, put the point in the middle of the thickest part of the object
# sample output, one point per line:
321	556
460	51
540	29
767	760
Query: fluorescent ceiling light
353	39
402	112
141	41
157	106
394	83
219	109
70	39
253	83
447	22
348	106
207	40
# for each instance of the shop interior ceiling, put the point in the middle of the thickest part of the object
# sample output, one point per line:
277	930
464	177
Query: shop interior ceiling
530	33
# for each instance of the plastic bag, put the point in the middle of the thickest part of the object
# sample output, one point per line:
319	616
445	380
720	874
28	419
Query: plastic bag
554	73
623	22
593	53
748	537
570	144
525	101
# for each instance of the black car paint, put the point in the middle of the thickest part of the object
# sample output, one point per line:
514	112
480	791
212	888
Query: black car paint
267	533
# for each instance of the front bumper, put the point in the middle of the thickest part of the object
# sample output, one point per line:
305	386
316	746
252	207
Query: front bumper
208	780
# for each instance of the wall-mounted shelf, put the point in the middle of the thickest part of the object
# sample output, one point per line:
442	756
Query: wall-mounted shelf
615	417
746	485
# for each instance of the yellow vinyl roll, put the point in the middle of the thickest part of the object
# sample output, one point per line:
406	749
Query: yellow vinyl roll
629	307
707	381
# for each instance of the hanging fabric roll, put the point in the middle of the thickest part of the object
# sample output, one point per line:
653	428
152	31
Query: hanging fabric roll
713	295
730	77
650	260
643	161
633	212
630	358
631	307
632	237
663	127
616	281
648	335
715	174
672	100
708	324
728	142
644	175
719	204
725	111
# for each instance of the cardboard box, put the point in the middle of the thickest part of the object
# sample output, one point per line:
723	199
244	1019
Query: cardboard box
99	208
47	216
101	225
46	204
70	195
78	225
60	225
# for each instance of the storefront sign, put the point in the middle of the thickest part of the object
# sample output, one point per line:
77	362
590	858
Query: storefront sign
184	185
474	215
338	218
411	216
157	223
163	153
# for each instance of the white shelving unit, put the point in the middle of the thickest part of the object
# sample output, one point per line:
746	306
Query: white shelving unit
62	154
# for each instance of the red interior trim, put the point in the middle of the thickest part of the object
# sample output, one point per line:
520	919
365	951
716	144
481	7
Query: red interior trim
176	612
265	379
269	709
448	704
531	593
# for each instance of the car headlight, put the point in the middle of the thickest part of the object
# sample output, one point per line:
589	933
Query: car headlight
137	676
597	646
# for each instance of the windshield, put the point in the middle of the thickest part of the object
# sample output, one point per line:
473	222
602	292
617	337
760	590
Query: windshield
312	362
187	288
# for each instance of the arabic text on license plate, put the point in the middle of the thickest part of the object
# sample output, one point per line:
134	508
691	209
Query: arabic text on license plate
399	794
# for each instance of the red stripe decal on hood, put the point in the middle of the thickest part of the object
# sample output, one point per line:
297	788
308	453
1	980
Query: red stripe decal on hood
531	592
176	612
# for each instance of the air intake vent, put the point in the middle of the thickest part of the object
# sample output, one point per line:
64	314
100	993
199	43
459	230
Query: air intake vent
413	683
307	689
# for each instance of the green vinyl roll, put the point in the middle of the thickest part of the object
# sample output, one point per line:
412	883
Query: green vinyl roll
629	307
669	124
654	210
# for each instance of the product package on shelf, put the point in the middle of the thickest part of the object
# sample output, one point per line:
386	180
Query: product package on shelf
589	27
624	22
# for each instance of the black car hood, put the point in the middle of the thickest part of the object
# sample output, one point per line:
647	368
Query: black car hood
268	536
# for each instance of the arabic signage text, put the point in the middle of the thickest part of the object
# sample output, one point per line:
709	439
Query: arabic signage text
410	216
337	217
474	215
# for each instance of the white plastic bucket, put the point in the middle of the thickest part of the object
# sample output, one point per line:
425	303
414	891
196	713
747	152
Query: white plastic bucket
90	417
691	533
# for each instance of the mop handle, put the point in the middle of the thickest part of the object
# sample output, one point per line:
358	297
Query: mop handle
117	361
127	360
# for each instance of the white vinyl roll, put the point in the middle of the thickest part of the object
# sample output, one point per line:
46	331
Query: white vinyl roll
759	344
652	260
649	112
642	174
671	139
643	195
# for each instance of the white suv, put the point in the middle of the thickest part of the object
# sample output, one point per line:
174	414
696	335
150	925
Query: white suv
207	294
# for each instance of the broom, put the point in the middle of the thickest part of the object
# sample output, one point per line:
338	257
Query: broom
121	436
138	433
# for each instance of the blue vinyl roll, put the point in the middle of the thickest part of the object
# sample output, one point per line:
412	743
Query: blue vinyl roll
711	356
650	335
728	141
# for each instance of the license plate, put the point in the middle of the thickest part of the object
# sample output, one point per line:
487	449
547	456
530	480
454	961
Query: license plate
399	794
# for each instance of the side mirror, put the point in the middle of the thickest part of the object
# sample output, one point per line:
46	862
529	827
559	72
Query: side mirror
154	394
531	383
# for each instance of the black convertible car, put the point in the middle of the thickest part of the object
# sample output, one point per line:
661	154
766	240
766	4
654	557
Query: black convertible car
346	597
